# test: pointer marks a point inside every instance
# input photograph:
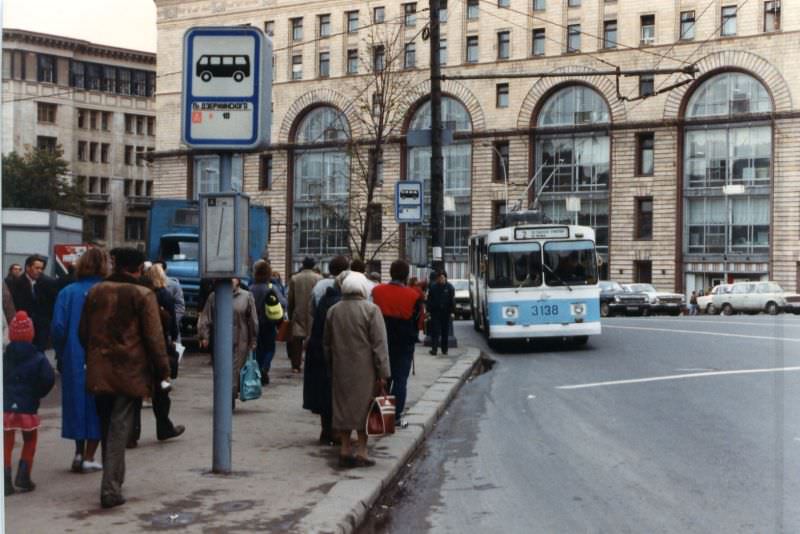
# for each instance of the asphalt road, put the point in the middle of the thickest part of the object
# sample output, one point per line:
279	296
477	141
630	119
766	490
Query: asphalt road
688	424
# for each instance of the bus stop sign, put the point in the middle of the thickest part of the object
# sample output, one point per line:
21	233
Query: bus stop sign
227	80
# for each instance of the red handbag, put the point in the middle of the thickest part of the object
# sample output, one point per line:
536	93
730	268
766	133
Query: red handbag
380	420
283	331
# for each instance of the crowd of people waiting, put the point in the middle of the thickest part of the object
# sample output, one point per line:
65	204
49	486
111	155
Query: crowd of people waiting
114	328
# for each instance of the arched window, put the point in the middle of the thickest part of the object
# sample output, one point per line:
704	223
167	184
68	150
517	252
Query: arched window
574	105
727	168
732	93
321	186
457	183
575	164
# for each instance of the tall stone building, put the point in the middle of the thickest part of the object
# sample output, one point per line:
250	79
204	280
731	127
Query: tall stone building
95	102
688	180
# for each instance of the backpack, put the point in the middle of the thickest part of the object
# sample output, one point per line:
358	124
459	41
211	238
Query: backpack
272	306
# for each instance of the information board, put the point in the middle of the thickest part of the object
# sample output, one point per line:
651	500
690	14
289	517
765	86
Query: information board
227	80
408	201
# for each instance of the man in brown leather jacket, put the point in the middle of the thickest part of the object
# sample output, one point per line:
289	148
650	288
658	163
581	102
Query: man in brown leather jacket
126	358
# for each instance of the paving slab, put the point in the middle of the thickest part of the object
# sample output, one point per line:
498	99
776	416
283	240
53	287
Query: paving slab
282	480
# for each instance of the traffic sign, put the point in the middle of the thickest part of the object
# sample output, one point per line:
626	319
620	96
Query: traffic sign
408	201
227	85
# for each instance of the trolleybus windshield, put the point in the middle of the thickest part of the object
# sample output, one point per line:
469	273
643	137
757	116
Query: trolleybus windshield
515	265
570	263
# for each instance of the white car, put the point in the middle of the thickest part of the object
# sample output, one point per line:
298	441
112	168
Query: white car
754	297
463	310
705	304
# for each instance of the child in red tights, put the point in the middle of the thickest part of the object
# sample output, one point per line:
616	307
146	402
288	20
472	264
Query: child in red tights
27	378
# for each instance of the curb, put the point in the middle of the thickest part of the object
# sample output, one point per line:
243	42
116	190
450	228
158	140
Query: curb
345	506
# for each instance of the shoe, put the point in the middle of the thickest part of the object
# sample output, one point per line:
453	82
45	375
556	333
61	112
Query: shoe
111	502
264	378
296	370
360	461
91	467
432	352
347	461
9	487
23	481
132	444
444	353
179	429
77	464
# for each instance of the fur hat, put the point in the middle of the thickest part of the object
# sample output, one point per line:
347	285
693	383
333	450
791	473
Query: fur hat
21	328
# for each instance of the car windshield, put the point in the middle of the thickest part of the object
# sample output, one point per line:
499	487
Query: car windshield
178	250
515	265
570	263
610	286
460	285
641	288
769	287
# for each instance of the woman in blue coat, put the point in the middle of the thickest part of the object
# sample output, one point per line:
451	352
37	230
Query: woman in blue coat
79	419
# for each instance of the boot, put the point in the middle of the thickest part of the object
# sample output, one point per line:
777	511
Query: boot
23	481
9	486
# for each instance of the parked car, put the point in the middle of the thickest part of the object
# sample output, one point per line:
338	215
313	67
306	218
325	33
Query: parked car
751	297
705	304
616	300
660	301
463	310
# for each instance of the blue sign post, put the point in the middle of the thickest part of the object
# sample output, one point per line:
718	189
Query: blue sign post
227	95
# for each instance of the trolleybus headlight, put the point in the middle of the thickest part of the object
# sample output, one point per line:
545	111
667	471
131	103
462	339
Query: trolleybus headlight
578	309
510	312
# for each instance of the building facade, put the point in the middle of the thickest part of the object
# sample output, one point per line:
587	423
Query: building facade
688	180
97	104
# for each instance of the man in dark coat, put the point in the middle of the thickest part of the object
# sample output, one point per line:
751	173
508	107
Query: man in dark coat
400	306
34	293
441	304
126	358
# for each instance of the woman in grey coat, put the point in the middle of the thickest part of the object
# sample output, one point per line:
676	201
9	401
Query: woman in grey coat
356	351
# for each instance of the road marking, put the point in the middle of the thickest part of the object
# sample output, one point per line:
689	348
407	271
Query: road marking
705	333
676	377
787	324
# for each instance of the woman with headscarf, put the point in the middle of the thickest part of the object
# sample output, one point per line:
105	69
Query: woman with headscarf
245	328
357	353
79	421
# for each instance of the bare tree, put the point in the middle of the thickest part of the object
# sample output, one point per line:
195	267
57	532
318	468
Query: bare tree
380	104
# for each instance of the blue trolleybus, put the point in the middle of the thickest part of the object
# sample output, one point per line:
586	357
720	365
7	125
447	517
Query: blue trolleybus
535	281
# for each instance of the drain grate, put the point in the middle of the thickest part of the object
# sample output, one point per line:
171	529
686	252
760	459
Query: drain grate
173	519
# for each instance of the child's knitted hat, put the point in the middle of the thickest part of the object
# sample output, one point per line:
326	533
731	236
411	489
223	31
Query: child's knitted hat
21	328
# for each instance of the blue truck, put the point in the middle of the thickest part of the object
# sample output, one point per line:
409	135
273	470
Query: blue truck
172	235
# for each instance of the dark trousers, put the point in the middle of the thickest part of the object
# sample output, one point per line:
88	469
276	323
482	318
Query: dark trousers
400	358
116	421
265	346
161	406
440	330
294	348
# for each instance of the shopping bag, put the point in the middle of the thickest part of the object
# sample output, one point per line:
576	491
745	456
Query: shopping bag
283	331
380	420
250	380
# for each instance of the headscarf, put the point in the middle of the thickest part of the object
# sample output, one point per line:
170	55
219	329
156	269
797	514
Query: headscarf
354	283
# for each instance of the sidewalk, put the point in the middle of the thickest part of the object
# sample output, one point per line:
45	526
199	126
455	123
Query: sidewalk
283	481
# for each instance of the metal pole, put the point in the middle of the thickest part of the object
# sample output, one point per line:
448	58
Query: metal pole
223	353
437	173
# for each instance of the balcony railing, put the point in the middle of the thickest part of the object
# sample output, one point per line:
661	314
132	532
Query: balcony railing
139	201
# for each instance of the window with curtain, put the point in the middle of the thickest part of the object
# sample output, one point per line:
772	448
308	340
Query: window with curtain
321	186
457	161
575	165
720	219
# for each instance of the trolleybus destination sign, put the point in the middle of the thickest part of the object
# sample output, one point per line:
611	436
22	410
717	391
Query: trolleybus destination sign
226	88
